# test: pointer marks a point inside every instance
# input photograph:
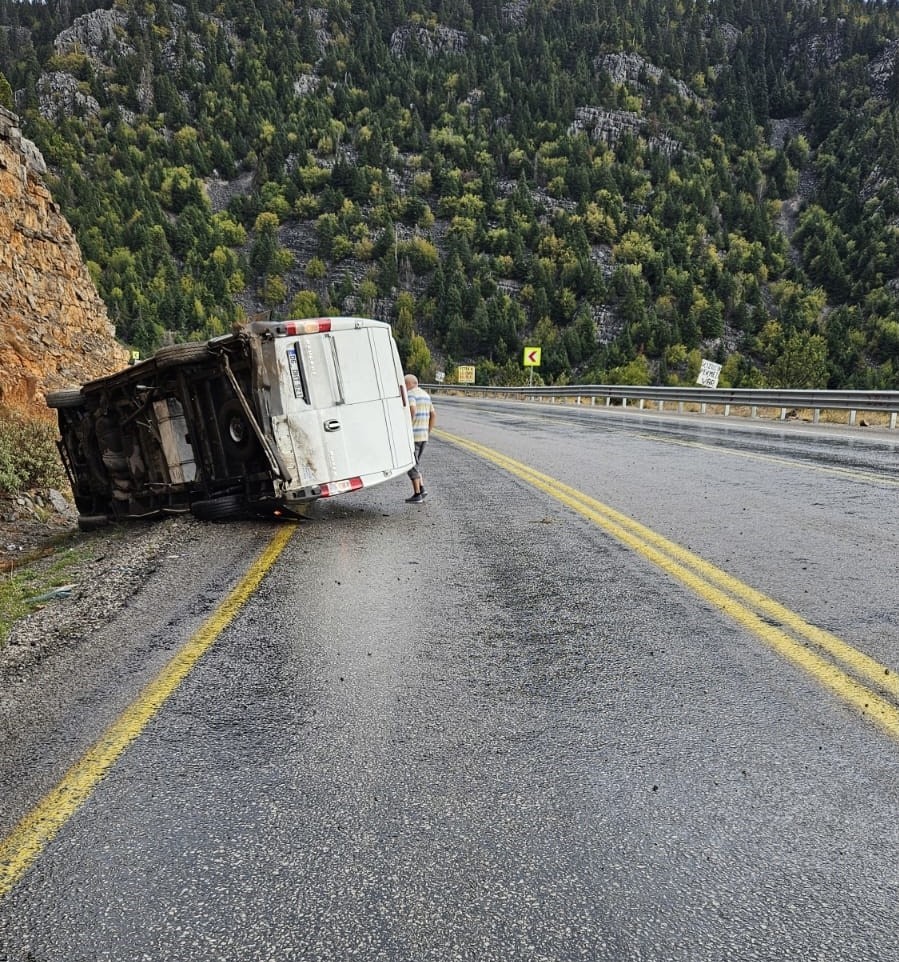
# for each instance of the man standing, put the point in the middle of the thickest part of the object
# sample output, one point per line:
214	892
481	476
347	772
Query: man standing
423	416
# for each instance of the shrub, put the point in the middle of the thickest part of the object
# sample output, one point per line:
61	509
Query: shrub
28	454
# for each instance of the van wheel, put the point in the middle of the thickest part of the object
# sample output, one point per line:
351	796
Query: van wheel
67	398
174	354
237	435
219	509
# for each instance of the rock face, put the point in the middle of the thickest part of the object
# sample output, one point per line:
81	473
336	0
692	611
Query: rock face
611	125
54	330
433	41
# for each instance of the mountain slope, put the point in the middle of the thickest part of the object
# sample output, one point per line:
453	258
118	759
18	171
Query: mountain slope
629	185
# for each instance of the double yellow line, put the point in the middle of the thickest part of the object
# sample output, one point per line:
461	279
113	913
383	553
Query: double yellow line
29	838
861	682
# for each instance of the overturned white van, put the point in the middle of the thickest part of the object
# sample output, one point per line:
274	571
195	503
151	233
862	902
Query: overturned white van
265	420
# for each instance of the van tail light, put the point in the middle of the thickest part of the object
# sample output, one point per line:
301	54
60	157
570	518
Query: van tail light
318	325
341	487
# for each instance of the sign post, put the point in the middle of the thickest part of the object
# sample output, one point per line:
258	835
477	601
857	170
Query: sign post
531	360
465	374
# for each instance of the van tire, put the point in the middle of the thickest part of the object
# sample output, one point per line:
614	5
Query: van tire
237	435
219	509
175	354
67	398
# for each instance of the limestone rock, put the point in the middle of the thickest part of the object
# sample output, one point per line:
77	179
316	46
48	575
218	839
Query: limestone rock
54	329
434	41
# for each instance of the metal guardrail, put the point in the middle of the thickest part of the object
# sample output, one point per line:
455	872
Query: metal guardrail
726	399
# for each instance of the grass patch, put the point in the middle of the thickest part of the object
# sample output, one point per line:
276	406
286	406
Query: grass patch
21	587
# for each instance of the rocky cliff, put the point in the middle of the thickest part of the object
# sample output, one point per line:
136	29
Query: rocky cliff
54	330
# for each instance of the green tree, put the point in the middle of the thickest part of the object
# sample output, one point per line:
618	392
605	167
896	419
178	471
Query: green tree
6	94
802	362
305	304
316	271
636	371
418	360
273	290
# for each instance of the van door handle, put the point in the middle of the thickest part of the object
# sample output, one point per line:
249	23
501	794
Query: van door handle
332	425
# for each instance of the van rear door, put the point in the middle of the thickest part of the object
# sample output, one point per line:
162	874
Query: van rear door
374	393
346	416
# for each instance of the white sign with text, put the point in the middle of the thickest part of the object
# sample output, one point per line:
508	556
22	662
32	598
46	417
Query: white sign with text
708	374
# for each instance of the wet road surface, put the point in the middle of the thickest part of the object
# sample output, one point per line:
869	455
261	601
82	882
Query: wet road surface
482	728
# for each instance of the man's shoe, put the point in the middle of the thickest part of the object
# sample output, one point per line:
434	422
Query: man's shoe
415	499
423	494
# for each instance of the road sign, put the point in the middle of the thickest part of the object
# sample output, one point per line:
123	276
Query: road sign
465	374
532	357
708	374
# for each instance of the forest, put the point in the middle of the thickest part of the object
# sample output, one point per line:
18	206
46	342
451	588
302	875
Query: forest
631	185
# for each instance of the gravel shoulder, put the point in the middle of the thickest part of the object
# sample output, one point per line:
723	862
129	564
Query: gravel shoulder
134	593
102	570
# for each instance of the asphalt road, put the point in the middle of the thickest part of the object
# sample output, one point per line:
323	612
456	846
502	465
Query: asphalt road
509	723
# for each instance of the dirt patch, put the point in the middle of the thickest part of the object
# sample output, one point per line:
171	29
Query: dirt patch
34	524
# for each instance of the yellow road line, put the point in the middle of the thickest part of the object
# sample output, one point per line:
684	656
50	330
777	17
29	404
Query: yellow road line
29	838
835	664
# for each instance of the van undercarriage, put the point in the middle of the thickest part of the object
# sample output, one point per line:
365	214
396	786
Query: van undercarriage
175	433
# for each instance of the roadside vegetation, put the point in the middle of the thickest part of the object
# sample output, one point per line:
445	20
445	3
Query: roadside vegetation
29	461
28	454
